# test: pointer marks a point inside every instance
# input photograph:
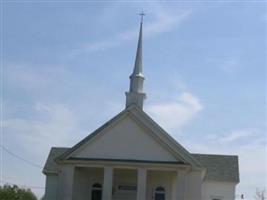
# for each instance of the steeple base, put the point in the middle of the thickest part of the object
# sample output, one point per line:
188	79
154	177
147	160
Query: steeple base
135	98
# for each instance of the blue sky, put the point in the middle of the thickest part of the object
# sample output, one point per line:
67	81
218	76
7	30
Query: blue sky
66	67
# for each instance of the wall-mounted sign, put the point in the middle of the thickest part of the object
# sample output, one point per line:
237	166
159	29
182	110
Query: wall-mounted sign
127	187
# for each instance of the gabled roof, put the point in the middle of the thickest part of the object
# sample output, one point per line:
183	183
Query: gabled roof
222	168
51	166
146	121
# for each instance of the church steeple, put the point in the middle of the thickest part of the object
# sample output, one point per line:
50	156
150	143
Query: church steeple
136	95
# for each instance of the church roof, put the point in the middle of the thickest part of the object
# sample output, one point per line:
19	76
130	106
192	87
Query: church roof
220	167
223	168
51	166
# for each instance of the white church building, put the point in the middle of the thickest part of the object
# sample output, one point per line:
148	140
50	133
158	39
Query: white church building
131	157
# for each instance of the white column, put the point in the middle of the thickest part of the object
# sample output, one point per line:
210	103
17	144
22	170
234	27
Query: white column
174	186
141	184
66	179
107	186
181	185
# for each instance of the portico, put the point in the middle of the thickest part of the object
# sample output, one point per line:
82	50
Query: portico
120	181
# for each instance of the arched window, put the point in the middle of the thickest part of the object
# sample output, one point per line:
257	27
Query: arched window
96	191
160	193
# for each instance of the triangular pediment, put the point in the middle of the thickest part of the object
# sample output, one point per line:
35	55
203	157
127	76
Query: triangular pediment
125	139
131	135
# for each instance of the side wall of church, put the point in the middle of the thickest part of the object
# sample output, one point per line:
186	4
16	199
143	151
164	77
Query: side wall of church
218	190
51	187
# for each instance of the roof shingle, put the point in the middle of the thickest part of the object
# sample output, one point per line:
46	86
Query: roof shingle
220	167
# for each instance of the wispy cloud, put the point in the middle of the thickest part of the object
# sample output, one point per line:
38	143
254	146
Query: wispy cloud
241	137
32	138
237	136
173	115
162	22
53	125
35	78
228	64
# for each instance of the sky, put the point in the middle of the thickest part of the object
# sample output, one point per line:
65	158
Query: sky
66	68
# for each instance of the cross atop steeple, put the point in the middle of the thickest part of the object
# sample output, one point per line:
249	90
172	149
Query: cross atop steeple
136	95
142	14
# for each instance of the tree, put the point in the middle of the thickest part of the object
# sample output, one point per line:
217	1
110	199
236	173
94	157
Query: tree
8	192
260	195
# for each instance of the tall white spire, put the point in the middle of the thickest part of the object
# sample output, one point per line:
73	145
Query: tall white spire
136	95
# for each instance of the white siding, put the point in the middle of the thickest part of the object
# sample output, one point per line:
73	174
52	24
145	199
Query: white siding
219	190
125	140
51	187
